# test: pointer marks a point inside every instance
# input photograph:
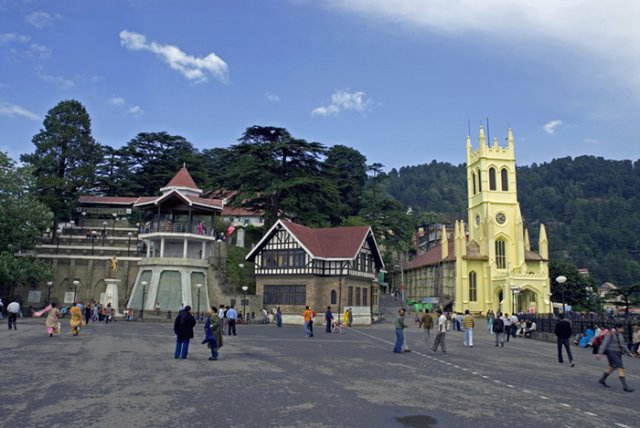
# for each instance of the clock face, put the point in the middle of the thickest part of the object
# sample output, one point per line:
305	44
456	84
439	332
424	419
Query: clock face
478	219
501	218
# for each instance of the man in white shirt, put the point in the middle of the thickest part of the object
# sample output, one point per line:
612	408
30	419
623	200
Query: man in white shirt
222	316
507	325
232	315
13	309
514	324
440	333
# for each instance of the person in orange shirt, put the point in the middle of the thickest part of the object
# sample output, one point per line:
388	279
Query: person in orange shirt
308	319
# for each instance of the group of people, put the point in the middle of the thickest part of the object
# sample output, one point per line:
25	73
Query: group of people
610	343
213	329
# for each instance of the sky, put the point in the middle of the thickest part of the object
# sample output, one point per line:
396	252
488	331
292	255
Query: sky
401	81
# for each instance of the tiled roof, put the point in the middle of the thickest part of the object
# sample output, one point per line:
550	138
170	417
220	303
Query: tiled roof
183	179
233	211
431	257
533	256
330	242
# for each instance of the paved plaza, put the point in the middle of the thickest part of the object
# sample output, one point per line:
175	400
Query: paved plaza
124	375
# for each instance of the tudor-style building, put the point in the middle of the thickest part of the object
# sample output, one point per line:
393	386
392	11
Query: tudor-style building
488	264
297	266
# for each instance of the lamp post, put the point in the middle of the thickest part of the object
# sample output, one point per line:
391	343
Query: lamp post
93	240
561	280
514	292
137	237
49	285
199	287
113	229
71	230
129	234
144	292
58	233
244	303
82	219
75	289
104	231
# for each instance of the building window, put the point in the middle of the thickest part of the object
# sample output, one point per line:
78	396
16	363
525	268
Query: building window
479	181
357	296
350	297
504	175
492	179
334	297
501	258
473	179
285	294
283	258
473	287
365	297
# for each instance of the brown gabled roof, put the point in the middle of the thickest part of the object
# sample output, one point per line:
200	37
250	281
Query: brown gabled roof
174	193
532	256
431	257
330	242
182	179
234	211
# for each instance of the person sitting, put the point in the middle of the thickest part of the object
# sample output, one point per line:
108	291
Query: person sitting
586	340
530	328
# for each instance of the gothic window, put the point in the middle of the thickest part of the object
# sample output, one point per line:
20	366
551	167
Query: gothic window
479	181
334	297
504	175
501	257
492	179
473	178
473	287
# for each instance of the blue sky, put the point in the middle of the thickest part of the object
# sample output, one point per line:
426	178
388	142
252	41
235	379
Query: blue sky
397	80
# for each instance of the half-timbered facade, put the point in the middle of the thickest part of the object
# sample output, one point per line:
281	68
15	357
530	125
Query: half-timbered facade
297	266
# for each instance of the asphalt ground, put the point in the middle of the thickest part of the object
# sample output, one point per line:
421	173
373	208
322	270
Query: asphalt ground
124	375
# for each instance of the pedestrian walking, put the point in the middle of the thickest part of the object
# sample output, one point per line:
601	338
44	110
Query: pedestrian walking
514	325
468	324
507	326
345	317
441	333
76	321
278	317
613	346
213	333
399	326
307	322
563	334
349	317
53	320
426	323
13	309
87	313
328	318
1	309
490	317
232	316
183	329
498	329
222	315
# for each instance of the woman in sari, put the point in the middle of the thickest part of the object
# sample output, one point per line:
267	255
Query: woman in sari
53	320
213	333
76	320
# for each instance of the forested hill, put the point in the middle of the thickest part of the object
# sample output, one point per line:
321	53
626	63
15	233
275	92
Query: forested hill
590	206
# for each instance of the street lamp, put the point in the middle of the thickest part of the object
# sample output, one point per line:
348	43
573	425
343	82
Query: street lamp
104	231
113	229
561	280
199	287
75	289
93	240
129	234
49	285
84	214
71	230
244	303
144	292
514	292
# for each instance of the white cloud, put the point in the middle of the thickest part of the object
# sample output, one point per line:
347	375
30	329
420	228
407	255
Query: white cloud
61	81
13	111
604	33
550	127
343	100
13	37
39	51
272	97
191	67
117	101
590	141
135	111
41	19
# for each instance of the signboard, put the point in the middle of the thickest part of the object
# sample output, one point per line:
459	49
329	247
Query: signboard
432	300
34	296
106	210
68	297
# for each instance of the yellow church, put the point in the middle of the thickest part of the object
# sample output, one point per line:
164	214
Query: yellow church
488	262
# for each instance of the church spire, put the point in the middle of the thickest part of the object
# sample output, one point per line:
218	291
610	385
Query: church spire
482	138
444	243
543	244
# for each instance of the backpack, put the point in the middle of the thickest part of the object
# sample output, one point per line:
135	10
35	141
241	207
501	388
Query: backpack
598	340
